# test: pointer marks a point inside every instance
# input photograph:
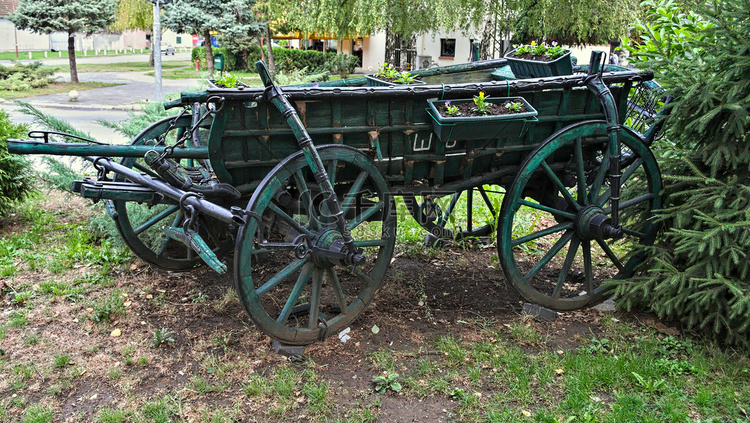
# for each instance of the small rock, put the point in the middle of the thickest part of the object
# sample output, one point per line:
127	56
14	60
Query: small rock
607	306
539	313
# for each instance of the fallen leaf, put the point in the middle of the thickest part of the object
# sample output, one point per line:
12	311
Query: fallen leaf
127	303
375	329
115	333
526	413
559	371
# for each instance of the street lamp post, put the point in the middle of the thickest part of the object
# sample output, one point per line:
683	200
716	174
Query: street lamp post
157	48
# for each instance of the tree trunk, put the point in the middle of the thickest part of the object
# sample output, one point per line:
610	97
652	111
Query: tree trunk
390	46
488	37
271	65
209	52
72	57
262	49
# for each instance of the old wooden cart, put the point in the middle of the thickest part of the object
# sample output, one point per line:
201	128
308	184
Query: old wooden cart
301	183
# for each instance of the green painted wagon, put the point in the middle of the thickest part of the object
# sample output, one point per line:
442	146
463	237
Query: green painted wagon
302	183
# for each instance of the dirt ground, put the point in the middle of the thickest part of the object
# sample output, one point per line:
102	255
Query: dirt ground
451	292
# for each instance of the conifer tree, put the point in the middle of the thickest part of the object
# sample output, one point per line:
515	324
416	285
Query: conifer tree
69	16
700	272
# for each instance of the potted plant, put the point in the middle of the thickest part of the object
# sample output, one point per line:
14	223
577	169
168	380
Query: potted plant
480	118
539	60
387	75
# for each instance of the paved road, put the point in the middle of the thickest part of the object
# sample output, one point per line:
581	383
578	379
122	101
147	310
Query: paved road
109	103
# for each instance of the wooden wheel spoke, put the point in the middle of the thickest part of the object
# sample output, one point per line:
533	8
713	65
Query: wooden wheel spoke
469	210
631	232
582	197
487	201
572	250
450	208
307	201
550	254
332	166
155	219
282	275
288	219
632	202
588	270
363	276
560	186
550	210
333	278
317	283
608	251
351	196
626	175
299	285
544	232
601	173
359	219
371	243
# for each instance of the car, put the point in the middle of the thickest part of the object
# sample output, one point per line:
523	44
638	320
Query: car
167	49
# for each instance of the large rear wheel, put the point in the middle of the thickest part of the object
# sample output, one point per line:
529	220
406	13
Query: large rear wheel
553	241
291	268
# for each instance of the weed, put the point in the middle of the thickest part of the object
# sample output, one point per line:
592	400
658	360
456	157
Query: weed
648	384
317	395
162	336
143	361
107	309
383	359
24	370
599	346
256	386
113	415
62	360
386	382
20	297
158	411
115	374
18	318
32	339
203	386
37	414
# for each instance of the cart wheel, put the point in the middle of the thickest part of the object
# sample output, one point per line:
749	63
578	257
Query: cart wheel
477	208
292	282
142	227
551	247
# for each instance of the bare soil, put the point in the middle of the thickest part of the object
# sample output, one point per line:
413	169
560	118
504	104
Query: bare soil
452	292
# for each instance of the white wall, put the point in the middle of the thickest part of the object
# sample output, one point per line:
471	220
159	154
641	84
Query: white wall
26	39
373	51
429	45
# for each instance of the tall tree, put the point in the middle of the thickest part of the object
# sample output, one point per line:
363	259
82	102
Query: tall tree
70	16
199	17
135	14
241	35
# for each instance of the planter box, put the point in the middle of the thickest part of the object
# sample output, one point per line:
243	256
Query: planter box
375	82
489	127
537	69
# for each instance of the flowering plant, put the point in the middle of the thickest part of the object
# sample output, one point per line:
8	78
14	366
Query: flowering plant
451	109
480	101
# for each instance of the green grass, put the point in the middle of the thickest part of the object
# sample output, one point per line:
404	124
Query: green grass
54	88
40	55
122	67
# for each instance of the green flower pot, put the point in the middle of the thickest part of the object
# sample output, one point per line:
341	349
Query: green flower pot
537	69
488	127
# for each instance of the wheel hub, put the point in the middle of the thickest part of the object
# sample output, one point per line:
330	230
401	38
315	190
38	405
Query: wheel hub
328	248
592	223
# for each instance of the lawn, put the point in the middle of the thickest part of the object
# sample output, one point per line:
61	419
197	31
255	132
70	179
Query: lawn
89	333
122	67
40	55
53	88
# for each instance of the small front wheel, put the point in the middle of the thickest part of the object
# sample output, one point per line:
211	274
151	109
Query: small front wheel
553	241
294	275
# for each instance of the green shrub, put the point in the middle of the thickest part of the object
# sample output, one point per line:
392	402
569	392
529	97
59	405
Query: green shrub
287	60
16	178
231	61
24	77
700	270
